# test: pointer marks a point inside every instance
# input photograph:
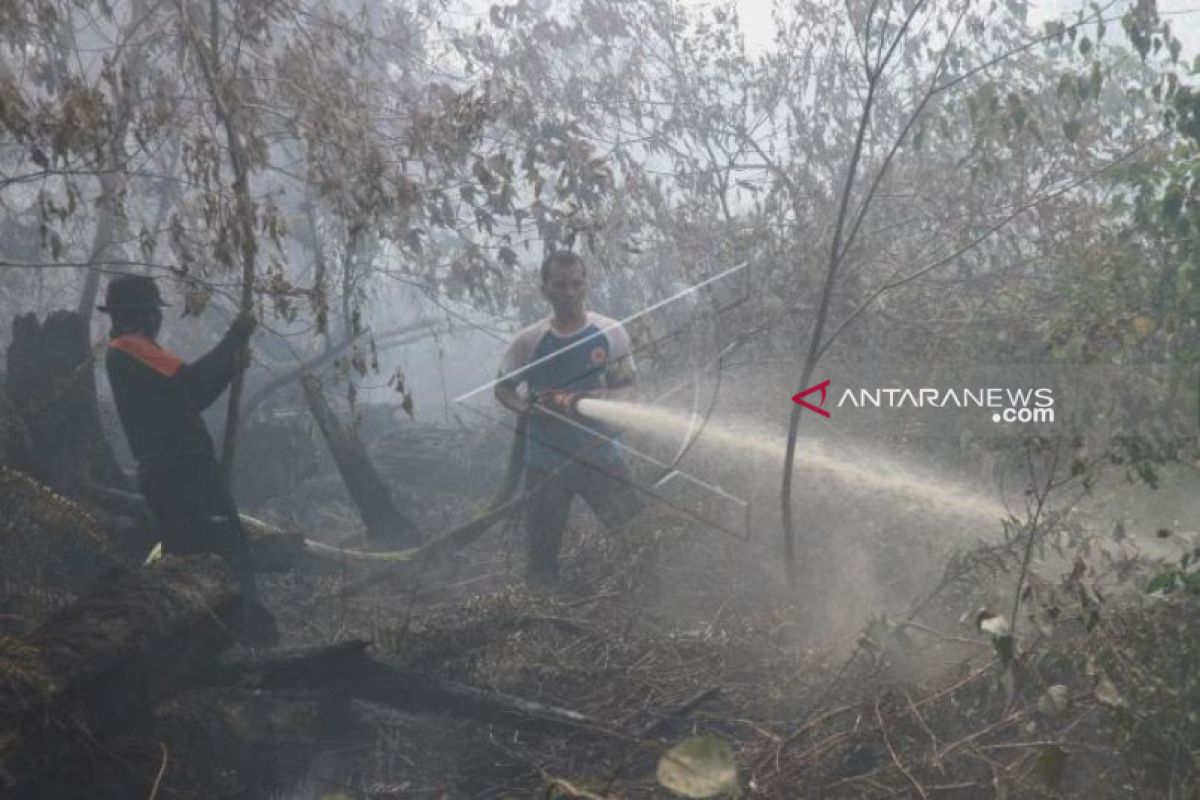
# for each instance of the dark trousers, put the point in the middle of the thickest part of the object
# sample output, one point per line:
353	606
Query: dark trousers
606	486
195	511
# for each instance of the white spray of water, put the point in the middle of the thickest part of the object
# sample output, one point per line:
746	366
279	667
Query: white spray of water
876	472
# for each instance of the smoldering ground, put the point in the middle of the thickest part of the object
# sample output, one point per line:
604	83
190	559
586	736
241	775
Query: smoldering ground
678	626
673	608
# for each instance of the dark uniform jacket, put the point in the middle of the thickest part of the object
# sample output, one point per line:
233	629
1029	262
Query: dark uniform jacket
159	400
159	397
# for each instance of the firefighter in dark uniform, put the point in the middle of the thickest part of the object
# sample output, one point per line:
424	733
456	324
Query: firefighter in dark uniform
159	399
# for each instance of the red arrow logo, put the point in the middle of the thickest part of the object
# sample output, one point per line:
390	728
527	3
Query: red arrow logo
798	398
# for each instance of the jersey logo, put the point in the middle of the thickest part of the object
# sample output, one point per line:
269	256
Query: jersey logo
598	355
161	361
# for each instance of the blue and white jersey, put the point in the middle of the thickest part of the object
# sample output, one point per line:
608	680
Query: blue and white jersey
596	356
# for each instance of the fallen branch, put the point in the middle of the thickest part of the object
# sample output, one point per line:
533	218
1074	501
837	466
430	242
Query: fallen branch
680	712
892	752
346	668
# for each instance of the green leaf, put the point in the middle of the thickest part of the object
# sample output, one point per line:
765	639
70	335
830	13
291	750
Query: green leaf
1051	763
1163	582
701	766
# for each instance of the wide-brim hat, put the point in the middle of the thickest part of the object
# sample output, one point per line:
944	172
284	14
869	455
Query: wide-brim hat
131	293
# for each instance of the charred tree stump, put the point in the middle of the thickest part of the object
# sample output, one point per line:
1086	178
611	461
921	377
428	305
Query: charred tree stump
386	526
16	450
51	384
97	667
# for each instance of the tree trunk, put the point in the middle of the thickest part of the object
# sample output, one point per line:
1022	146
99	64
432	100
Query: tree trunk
51	384
386	526
105	249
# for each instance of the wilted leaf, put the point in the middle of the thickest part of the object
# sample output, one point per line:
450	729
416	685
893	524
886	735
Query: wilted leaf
1107	692
412	240
1051	763
702	766
996	624
146	243
196	299
1054	700
398	382
1143	326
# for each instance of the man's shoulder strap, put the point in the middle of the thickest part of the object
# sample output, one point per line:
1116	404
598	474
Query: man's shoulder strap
162	361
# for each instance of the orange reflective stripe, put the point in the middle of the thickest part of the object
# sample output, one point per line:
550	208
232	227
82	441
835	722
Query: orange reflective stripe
161	361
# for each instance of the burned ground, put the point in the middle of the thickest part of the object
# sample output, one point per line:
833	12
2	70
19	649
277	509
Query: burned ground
876	682
450	678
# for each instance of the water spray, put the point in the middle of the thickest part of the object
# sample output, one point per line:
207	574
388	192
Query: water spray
880	474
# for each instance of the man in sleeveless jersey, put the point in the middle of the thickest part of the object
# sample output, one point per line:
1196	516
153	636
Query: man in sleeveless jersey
571	355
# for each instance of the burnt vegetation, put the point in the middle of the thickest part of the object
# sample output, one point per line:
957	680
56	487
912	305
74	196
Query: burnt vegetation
924	188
